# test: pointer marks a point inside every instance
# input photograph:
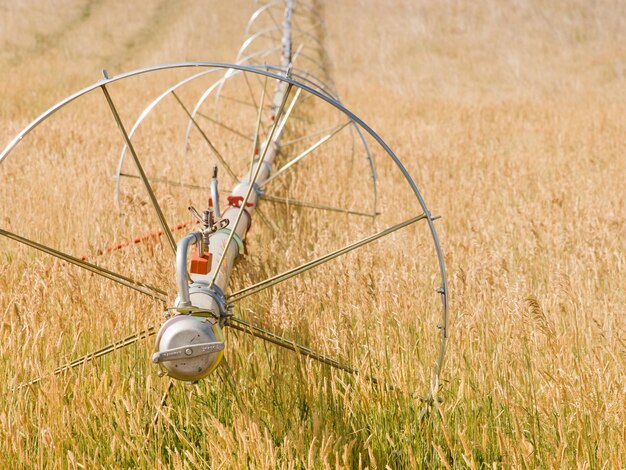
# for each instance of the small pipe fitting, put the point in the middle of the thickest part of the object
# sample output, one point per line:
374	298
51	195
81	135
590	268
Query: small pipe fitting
181	267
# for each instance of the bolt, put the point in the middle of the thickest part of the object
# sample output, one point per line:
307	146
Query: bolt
188	351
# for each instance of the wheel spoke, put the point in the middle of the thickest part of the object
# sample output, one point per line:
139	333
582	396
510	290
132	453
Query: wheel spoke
109	348
284	120
115	277
142	174
268	144
236	100
162	404
261	214
308	136
272	281
206	138
312	205
168	182
271	337
308	151
228	128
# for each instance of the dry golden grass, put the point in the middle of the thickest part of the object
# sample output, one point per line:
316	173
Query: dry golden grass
509	115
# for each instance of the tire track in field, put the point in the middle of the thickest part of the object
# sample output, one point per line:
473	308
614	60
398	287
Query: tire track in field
165	16
45	42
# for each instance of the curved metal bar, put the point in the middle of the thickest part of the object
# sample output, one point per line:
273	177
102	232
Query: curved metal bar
358	130
219	85
254	37
370	159
259	11
314	62
443	290
144	114
246	60
264	34
202	99
312	12
305	77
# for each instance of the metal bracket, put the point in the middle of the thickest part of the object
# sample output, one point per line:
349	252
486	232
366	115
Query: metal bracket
189	351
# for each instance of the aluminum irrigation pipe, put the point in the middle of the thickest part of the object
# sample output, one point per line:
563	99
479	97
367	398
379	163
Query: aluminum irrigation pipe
263	71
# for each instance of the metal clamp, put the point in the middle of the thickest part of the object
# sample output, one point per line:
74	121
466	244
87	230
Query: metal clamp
240	244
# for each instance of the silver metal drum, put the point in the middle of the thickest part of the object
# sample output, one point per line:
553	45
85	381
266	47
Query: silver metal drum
189	348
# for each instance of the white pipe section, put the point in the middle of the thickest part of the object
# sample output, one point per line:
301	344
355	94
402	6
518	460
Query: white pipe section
215	196
181	268
217	246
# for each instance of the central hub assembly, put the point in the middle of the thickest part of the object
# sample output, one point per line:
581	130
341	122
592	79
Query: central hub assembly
188	347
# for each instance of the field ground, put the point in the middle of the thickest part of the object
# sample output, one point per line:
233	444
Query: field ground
510	117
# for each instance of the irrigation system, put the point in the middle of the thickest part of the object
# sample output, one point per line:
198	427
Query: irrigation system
280	68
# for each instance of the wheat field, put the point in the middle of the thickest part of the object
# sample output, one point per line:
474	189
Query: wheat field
509	115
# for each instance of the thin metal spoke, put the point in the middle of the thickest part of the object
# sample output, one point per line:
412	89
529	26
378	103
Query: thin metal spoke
261	214
206	138
308	151
168	182
269	12
268	143
295	56
267	221
312	205
109	348
228	128
144	178
113	276
250	92
229	98
272	281
313	134
162	403
284	120
255	142
262	217
271	337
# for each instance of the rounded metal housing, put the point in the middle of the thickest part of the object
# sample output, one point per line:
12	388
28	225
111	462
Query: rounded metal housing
189	348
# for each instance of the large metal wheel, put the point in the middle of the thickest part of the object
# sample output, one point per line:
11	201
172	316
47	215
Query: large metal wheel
321	205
